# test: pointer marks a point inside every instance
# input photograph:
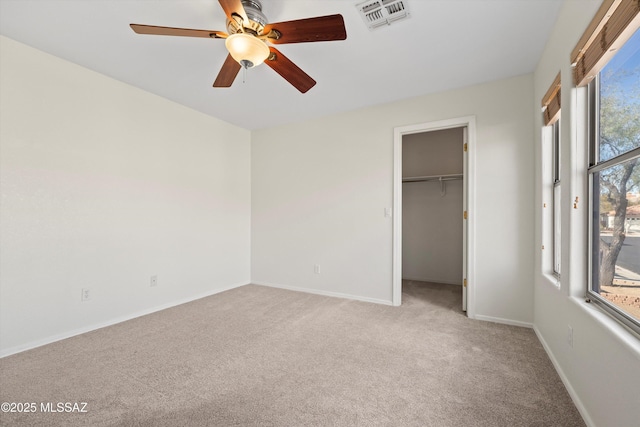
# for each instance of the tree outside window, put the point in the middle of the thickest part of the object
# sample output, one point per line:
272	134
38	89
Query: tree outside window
615	174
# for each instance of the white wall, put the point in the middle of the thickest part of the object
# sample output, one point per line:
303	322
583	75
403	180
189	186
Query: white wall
319	190
432	221
438	152
104	185
602	369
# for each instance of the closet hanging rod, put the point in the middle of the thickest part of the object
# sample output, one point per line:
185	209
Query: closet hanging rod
451	177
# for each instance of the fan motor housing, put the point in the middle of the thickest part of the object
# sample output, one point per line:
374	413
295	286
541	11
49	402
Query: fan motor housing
257	19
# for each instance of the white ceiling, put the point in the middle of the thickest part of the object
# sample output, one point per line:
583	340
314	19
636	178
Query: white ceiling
445	44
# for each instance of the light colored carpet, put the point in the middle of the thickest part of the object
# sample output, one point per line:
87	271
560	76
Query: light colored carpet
257	356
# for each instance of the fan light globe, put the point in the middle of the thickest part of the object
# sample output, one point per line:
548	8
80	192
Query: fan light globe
248	50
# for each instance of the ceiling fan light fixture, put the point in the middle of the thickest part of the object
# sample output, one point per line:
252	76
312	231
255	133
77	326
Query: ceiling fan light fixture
247	49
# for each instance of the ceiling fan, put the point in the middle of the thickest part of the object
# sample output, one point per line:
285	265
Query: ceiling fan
250	36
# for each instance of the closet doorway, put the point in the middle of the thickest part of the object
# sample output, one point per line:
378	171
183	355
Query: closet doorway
432	191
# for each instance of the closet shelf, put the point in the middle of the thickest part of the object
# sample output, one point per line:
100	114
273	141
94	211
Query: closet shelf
451	177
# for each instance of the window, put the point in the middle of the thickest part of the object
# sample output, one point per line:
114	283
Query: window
555	139
608	64
614	176
551	117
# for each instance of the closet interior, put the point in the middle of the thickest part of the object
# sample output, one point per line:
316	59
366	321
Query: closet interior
432	206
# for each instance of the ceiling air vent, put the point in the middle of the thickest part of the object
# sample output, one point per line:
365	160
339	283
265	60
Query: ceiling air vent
377	13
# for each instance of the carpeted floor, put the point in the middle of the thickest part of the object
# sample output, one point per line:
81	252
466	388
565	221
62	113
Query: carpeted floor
257	356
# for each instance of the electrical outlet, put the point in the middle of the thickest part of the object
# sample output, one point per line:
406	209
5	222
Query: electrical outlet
153	281
86	294
316	268
570	336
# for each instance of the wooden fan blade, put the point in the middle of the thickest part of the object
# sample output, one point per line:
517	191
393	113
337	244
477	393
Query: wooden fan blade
232	7
289	71
170	31
228	73
319	29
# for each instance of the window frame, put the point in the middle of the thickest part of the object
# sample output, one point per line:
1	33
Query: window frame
612	26
551	105
593	230
556	203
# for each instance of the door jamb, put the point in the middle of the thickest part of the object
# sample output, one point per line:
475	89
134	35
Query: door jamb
469	176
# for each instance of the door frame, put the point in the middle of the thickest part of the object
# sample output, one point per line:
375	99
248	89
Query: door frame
468	122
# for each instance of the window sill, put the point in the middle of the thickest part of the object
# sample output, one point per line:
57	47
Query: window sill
552	280
623	334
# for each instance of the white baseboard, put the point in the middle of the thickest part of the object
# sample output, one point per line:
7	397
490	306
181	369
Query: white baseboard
574	396
324	293
504	321
110	322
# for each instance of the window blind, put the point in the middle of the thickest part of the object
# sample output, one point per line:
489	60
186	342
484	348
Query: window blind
614	23
551	103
